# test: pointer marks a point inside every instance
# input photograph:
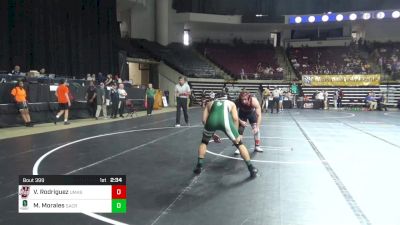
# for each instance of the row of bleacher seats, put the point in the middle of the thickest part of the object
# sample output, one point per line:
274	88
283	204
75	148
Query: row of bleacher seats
181	58
328	60
259	61
232	59
386	56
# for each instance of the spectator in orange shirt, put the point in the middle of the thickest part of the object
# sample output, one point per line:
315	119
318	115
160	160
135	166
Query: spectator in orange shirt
19	94
64	102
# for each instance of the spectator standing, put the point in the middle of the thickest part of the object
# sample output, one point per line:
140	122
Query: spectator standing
294	89
335	98
114	100
243	74
109	80
64	102
340	98
122	97
150	93
19	94
94	77
281	99
182	92
265	99
326	94
101	101
319	100
91	99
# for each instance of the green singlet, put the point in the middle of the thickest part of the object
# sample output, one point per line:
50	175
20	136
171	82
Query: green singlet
220	118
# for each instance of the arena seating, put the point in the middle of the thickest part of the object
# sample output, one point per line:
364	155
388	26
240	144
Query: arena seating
133	49
183	59
232	59
328	60
387	55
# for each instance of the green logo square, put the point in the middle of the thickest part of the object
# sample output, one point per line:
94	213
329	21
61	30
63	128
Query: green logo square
119	206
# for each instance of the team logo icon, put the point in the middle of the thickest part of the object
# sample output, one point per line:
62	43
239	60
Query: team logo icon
24	192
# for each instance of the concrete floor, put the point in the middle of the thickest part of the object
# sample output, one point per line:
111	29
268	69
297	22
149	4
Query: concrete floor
319	167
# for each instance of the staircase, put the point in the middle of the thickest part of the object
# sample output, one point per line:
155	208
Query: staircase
284	62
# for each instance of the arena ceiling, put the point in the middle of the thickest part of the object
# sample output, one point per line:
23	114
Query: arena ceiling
276	8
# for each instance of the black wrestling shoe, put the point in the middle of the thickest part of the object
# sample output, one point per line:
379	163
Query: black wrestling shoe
198	170
253	171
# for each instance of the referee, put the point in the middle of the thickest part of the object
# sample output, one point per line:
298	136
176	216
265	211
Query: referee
182	92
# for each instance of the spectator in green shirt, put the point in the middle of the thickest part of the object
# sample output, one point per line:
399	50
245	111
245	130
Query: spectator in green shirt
150	93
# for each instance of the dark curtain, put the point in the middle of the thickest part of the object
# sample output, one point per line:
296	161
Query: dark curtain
67	37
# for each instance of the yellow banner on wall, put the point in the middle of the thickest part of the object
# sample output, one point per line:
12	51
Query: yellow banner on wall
342	80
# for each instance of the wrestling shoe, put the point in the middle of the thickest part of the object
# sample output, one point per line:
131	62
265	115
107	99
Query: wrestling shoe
258	149
253	171
198	170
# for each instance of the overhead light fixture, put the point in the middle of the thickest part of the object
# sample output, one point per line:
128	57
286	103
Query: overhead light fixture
298	19
186	37
325	18
367	16
353	16
311	19
339	17
380	15
396	14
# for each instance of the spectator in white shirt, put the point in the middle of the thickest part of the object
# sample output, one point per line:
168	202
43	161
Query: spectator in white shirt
122	97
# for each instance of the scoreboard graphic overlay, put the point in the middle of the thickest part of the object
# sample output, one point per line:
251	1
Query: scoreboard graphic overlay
72	193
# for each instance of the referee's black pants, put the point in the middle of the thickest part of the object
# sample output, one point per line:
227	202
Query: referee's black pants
275	103
181	103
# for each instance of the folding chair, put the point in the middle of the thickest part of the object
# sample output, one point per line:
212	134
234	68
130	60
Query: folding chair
130	108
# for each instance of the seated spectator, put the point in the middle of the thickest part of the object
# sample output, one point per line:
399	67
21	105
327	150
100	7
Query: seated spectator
382	102
16	71
19	94
371	101
42	72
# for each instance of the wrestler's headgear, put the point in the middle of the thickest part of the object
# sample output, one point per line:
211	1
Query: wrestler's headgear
221	95
245	95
